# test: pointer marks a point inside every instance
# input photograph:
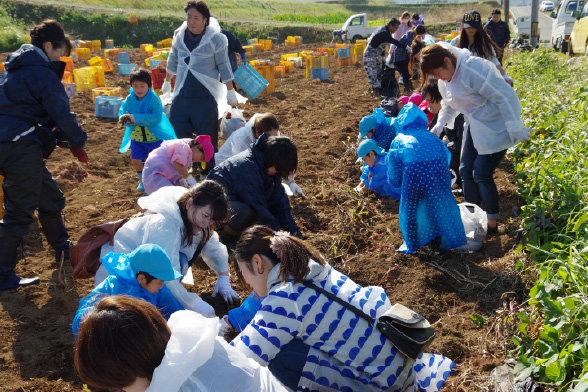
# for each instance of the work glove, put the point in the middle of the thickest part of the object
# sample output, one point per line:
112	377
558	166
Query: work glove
232	97
203	308
359	189
183	182
508	80
521	136
437	129
225	327
79	153
191	181
223	287
166	88
296	190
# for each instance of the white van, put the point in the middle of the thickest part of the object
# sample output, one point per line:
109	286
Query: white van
563	23
356	27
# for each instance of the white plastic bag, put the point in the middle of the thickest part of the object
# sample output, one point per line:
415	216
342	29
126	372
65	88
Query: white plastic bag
166	101
231	121
475	223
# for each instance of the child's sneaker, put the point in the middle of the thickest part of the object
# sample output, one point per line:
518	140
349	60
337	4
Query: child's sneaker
140	187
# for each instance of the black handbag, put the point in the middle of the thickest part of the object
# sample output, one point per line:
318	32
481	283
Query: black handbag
407	330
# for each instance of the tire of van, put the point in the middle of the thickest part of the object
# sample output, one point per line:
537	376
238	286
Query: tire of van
570	50
564	47
355	38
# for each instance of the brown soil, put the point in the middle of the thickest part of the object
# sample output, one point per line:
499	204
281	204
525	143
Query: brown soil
359	234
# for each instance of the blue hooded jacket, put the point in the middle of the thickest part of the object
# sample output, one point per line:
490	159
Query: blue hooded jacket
31	93
376	179
246	180
121	280
147	112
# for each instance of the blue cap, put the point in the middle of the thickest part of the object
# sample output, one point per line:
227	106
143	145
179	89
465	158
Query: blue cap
151	258
366	146
367	124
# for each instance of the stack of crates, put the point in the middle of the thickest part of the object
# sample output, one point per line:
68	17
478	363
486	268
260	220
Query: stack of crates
267	72
250	80
251	41
267	43
105	91
359	49
109	44
284	57
258	47
158	77
319	67
82	53
323	50
344	57
96	45
337	47
85	78
69	65
288	66
167	43
106	106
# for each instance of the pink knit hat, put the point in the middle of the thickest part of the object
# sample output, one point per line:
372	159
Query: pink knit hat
403	99
416	98
207	147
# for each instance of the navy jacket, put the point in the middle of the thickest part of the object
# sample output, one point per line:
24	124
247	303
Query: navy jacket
245	177
234	47
31	93
382	35
499	32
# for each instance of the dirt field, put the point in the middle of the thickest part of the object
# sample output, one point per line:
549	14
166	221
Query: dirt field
359	234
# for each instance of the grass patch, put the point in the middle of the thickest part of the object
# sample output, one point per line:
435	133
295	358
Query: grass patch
12	33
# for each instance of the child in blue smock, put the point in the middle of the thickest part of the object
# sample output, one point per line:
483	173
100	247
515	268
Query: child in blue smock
375	171
418	163
140	274
378	127
146	125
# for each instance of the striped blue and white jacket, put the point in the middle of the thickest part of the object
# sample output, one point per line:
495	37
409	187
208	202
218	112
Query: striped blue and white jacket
347	354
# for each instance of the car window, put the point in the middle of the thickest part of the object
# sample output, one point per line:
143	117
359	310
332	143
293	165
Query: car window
571	7
357	21
584	11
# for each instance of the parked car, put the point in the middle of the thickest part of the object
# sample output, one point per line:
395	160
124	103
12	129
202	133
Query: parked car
522	27
563	23
356	27
579	36
547	6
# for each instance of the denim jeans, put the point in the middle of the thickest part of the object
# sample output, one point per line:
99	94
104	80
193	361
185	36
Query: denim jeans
476	172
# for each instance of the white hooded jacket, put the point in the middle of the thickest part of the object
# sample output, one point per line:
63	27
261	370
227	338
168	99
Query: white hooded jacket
491	107
197	360
162	225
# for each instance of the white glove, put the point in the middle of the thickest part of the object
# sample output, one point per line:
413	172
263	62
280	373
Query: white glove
191	181
445	140
508	80
223	286
184	183
437	129
521	136
358	189
225	327
203	308
232	97
296	190
166	88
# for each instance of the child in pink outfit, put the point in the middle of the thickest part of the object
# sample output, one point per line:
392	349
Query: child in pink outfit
168	164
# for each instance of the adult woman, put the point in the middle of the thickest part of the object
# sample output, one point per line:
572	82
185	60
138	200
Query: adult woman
473	86
124	343
181	222
310	341
474	38
400	56
200	60
32	103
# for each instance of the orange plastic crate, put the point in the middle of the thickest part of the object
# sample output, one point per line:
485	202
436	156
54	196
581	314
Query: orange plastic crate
108	91
267	44
1	67
345	61
83	53
258	47
323	50
67	78
69	64
288	65
99	74
279	71
114	52
267	72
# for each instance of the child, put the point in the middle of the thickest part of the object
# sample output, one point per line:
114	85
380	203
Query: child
147	127
392	105
418	164
241	139
168	165
141	275
375	172
379	128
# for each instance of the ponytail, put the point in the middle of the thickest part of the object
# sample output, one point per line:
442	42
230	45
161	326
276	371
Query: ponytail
279	247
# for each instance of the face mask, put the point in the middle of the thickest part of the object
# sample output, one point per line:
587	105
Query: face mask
405	20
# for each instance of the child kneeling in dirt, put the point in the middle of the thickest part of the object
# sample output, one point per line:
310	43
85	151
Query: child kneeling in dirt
418	163
168	165
146	125
378	128
141	275
375	172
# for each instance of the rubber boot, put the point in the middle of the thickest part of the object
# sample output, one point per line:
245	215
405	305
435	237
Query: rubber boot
9	280
56	234
140	187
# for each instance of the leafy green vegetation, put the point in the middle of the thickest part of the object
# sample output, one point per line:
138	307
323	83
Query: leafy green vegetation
552	174
12	33
329	19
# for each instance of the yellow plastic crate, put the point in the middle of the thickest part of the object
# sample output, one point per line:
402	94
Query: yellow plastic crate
85	78
288	65
83	53
108	91
291	39
100	80
285	56
96	45
258	47
267	44
267	72
352	50
361	41
319	62
167	43
307	75
249	49
95	61
279	71
353	59
305	53
255	62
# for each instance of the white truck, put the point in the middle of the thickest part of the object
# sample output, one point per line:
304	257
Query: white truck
356	27
563	23
522	27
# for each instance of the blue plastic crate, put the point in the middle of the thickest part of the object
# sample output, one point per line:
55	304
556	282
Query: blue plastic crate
154	63
107	106
126	69
319	73
123	58
250	80
251	41
73	56
343	52
70	89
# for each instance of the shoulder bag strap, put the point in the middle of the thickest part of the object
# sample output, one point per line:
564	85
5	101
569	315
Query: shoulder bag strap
347	305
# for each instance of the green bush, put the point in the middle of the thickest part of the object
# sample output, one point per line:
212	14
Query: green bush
12	33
